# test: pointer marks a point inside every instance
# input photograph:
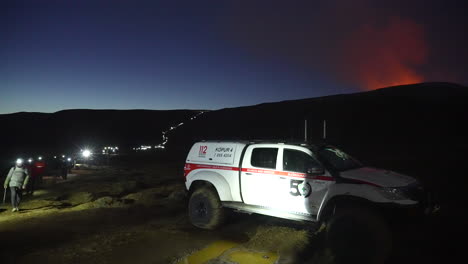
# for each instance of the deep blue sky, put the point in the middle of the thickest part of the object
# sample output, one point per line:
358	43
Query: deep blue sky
114	54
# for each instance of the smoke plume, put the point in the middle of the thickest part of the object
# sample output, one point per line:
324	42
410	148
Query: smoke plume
352	42
388	55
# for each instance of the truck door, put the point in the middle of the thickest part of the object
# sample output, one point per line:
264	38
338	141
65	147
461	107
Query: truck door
302	192
259	182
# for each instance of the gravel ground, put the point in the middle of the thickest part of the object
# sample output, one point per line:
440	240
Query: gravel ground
126	216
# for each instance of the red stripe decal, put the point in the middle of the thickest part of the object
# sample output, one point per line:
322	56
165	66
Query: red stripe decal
189	167
323	178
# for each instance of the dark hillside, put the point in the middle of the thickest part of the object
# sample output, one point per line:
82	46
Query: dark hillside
70	130
403	115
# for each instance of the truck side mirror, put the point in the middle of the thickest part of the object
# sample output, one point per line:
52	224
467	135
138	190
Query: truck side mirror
315	171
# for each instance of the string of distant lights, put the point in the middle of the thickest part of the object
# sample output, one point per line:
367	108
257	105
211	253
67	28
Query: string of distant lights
110	150
165	138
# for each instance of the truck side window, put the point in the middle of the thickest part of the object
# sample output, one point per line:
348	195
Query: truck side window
264	157
298	161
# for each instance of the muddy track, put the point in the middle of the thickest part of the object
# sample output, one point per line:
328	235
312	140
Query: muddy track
139	216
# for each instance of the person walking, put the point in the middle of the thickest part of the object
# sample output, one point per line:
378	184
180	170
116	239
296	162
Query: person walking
37	171
64	169
17	180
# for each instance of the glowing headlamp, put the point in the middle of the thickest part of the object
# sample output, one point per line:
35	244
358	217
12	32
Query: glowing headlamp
86	153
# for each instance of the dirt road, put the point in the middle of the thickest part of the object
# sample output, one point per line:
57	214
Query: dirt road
122	215
132	216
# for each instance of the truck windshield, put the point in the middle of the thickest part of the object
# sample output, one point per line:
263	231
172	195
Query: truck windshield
337	160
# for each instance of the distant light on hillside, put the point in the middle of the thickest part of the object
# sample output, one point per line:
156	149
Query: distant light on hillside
110	150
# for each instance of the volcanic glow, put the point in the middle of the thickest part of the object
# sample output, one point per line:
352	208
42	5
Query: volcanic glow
384	56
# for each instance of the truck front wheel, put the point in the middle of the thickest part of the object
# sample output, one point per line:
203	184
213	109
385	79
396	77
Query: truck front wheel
358	234
205	210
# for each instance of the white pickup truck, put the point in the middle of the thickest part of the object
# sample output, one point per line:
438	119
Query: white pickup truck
292	181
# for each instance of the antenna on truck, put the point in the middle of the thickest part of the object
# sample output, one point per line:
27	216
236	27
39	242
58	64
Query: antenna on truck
324	129
305	130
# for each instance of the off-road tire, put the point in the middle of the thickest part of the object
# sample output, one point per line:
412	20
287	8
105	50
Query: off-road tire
205	209
358	235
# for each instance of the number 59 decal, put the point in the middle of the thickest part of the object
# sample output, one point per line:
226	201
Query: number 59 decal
300	188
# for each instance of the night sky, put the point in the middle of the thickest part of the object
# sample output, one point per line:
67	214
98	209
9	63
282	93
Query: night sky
68	54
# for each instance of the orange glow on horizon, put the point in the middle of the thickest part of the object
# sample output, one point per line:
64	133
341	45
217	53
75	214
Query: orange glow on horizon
386	56
396	75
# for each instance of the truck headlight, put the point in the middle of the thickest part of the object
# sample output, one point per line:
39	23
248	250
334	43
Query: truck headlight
393	193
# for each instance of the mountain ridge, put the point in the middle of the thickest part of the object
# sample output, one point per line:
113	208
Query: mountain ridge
405	107
399	90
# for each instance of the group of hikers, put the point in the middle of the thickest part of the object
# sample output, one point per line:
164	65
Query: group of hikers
25	177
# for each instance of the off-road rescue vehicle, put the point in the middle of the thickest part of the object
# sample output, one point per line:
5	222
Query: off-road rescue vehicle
292	181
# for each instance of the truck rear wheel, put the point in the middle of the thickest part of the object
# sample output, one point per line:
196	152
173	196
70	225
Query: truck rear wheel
205	209
358	234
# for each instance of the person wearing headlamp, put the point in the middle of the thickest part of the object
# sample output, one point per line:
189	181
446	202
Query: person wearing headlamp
17	180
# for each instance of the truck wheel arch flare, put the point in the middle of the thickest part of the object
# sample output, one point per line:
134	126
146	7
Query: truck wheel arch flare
219	183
